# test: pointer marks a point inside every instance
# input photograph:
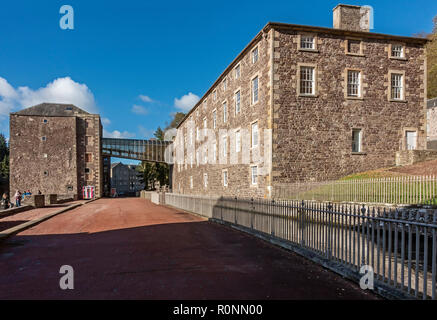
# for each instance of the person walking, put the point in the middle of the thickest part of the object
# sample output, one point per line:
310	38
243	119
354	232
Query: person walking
17	198
5	201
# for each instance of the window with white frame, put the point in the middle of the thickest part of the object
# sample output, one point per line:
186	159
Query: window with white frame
397	51
356	140
237	71
205	180
214	119
225	112
237	141
225	146
353	83
397	86
225	178
307	42
214	95
254	175
214	150
225	84
237	102
191	136
191	182
255	55
197	133
255	134
307	80
254	90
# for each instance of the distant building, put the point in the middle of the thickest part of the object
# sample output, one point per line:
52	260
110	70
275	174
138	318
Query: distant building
55	148
125	179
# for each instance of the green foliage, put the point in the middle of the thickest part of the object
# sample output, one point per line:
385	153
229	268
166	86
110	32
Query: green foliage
4	157
431	51
177	118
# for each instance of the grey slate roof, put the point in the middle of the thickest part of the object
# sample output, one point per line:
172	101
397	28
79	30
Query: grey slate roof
432	103
52	110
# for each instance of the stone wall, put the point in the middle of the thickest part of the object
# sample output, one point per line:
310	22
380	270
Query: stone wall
432	128
49	166
408	157
89	153
312	136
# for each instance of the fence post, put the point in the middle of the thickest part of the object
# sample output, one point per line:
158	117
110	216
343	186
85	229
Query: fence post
302	223
235	211
328	252
272	230
252	213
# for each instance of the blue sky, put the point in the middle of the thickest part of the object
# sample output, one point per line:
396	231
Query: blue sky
129	60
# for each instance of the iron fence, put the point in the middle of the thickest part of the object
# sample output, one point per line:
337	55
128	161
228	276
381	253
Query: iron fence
399	244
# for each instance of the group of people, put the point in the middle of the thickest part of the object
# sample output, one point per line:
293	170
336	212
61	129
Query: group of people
18	197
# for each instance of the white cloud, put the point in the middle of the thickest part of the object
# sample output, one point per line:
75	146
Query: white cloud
60	90
106	121
139	109
145	133
186	102
118	134
145	98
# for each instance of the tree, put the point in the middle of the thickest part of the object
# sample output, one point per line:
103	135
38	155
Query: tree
159	134
4	157
147	174
177	118
431	51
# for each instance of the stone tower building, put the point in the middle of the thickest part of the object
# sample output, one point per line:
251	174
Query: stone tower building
55	148
314	103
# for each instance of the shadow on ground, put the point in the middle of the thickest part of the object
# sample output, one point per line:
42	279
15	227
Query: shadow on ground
196	260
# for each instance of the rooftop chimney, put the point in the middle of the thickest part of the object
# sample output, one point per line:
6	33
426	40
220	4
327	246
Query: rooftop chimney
353	18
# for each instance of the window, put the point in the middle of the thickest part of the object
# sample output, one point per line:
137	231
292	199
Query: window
237	102
191	182
411	140
197	133
254	175
307	80
254	90
353	47
205	180
214	150
237	72
225	146
214	119
88	157
214	95
225	112
237	141
356	140
255	55
254	134
397	86
43	138
205	104
225	84
397	51
307	42
353	83
225	178
204	123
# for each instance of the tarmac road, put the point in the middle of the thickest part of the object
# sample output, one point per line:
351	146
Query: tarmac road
129	248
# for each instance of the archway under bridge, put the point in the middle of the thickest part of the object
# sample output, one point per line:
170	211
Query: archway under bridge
142	150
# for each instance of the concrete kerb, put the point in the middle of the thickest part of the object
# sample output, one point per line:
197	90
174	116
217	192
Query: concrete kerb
17	229
15	210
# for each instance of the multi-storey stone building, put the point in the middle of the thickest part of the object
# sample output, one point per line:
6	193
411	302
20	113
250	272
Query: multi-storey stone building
55	149
125	179
314	103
